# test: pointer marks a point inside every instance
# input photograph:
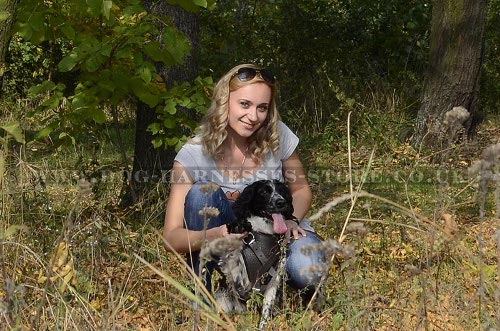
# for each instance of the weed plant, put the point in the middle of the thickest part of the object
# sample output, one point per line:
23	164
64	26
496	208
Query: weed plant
424	242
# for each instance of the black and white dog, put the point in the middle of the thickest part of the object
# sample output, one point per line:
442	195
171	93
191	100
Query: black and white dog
261	211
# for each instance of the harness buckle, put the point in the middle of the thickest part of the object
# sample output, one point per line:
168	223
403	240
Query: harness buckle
250	240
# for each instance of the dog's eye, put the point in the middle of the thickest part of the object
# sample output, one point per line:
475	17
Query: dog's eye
266	190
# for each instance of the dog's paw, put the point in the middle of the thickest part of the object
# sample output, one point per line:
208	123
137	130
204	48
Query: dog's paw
239	227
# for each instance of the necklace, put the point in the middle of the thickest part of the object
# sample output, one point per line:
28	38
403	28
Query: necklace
237	175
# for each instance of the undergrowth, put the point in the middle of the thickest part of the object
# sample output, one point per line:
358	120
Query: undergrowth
424	236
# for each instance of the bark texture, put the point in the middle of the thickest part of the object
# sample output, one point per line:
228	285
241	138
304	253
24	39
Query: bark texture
9	6
453	74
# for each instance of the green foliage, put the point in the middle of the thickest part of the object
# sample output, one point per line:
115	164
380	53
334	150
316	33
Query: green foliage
170	116
321	48
4	15
27	65
12	130
110	55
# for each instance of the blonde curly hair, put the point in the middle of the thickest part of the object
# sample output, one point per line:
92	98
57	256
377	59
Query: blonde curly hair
213	129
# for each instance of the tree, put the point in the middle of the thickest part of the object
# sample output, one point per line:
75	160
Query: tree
453	73
7	11
151	163
117	52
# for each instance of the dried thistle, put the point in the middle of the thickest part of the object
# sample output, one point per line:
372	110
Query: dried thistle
491	153
209	212
454	119
209	187
348	252
329	247
316	270
485	169
221	247
489	158
357	227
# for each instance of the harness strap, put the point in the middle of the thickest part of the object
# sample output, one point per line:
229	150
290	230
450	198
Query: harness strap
261	252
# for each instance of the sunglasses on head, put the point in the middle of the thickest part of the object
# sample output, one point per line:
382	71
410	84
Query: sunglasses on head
246	74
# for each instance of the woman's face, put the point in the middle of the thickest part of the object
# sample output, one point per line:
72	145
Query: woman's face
248	108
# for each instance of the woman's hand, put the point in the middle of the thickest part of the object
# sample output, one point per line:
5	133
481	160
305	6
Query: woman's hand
293	229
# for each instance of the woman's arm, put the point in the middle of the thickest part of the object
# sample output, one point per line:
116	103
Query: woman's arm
175	234
294	174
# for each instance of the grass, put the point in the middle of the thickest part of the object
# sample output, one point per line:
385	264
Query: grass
432	272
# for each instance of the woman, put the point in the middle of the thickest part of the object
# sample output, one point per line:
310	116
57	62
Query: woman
240	140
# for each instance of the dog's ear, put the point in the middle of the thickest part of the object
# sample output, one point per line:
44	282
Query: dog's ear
284	191
241	209
241	206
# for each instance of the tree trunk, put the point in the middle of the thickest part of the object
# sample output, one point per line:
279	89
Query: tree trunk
8	7
150	164
452	77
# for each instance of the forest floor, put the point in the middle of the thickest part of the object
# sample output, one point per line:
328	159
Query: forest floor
423	256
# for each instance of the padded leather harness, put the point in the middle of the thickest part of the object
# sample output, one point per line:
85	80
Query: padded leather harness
261	253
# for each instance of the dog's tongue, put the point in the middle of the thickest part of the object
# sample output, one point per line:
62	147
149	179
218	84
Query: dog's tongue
279	225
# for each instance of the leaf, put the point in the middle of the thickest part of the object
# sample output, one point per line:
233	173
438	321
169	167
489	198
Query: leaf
411	25
201	3
157	142
4	15
107	84
154	127
68	62
106	50
170	107
47	85
53	101
45	132
97	115
78	102
24	30
65	138
176	44
95	7
94	62
150	99
11	230
169	123
121	79
153	50
15	131
38	36
141	91
179	145
171	141
68	31
145	74
37	21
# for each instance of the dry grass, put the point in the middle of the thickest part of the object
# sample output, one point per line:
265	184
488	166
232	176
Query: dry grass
428	261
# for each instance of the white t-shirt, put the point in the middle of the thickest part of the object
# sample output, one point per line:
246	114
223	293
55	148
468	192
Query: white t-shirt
202	167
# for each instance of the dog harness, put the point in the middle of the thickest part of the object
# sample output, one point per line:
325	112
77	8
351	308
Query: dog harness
261	253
